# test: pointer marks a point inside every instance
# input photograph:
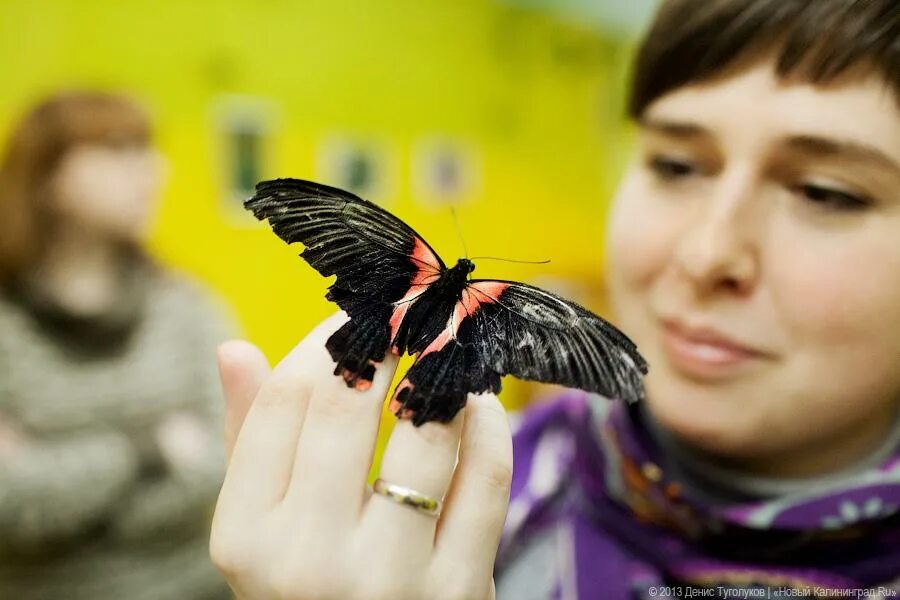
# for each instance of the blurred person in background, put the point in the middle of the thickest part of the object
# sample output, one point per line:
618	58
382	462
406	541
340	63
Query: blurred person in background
110	458
754	256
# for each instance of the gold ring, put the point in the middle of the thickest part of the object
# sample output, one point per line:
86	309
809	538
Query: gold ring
409	497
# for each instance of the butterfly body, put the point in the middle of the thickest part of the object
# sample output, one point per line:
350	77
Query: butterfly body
466	334
429	310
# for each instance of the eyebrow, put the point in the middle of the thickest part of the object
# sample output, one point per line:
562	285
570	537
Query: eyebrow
809	144
681	129
833	148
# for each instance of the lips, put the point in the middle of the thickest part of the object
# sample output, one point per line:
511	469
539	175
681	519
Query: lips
705	353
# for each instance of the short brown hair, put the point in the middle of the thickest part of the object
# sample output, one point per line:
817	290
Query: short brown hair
34	150
816	40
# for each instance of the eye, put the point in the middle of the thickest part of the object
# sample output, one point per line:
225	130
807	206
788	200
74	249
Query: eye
831	197
669	167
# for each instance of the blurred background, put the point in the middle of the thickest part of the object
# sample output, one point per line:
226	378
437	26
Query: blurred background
511	111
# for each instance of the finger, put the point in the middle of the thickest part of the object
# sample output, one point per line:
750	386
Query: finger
475	510
263	454
334	454
421	458
242	369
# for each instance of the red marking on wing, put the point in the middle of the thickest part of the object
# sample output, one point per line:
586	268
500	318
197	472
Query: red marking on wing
448	333
488	291
396	406
357	382
402	306
473	297
425	257
429	271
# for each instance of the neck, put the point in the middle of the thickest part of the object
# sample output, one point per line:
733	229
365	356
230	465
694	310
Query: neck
80	272
799	470
858	446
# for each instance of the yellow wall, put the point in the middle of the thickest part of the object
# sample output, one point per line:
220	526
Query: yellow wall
537	99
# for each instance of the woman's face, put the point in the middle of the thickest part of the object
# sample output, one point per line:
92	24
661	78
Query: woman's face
107	190
755	259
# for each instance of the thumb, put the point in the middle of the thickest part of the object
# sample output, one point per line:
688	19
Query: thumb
242	369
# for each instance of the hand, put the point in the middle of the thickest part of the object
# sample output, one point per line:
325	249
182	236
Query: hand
294	518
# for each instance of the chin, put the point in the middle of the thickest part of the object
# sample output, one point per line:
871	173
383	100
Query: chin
712	420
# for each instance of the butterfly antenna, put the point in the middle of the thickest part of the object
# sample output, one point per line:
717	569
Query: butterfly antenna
525	262
459	231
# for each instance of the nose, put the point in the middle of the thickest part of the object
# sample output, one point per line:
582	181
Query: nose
719	248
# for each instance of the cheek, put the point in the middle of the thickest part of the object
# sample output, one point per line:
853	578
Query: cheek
76	198
839	307
831	293
106	197
641	237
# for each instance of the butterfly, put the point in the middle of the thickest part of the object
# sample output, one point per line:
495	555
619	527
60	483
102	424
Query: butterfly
465	333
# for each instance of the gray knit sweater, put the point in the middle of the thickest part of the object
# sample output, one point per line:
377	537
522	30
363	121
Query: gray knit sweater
91	508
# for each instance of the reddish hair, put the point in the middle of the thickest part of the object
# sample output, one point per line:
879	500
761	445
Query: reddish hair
34	150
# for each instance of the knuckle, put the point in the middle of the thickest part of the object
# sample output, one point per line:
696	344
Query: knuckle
281	389
308	574
496	475
437	434
333	404
299	587
386	588
460	586
285	585
462	593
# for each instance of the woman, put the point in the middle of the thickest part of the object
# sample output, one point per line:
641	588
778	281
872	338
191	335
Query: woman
109	462
755	259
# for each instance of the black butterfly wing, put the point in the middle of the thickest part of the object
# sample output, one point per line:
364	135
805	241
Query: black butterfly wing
378	260
374	254
504	327
533	334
